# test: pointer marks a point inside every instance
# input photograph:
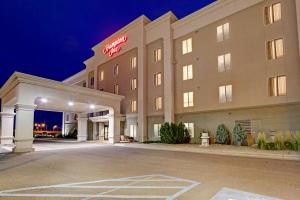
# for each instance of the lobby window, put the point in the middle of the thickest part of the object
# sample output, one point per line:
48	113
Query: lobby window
116	70
223	32
224	62
133	106
132	130
187	46
133	62
190	128
277	86
156	128
157	55
133	84
158	103
101	75
187	72
273	13
157	79
225	93
188	99
116	89
275	49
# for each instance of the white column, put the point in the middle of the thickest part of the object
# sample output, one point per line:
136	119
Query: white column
114	128
95	131
63	124
24	128
101	131
7	128
82	129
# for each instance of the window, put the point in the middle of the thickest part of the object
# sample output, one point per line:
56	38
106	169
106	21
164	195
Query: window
84	84
133	84
133	62
190	128
101	75
187	72
157	79
273	13
67	117
116	89
275	49
277	86
224	62
92	80
157	55
157	130
187	46
188	99
158	103
133	106
132	131
223	32
225	93
116	70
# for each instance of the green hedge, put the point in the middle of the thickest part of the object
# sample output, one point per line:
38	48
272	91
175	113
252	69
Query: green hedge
172	133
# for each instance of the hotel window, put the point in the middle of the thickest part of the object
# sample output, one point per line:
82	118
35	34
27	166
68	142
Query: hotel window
275	49
190	128
187	73
116	70
133	106
158	103
132	131
277	86
84	84
116	89
133	84
133	62
187	46
224	62
157	55
223	32
67	117
92	80
188	99
101	75
225	93
157	79
156	129
273	13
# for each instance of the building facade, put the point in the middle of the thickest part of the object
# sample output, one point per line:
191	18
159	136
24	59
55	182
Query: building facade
233	61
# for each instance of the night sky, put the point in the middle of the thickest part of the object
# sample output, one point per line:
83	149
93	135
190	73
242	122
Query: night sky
52	38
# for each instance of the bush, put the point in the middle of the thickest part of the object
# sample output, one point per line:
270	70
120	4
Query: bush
279	141
172	133
222	135
261	141
240	134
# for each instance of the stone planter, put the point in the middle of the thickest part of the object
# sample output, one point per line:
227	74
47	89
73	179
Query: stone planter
205	140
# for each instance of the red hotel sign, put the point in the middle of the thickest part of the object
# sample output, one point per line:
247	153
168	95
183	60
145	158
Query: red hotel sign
115	46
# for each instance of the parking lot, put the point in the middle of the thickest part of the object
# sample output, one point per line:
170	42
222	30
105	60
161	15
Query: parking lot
114	172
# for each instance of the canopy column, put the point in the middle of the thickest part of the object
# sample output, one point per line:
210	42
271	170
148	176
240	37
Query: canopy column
114	128
7	126
82	128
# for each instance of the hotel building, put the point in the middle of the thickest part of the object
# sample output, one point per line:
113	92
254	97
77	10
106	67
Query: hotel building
234	61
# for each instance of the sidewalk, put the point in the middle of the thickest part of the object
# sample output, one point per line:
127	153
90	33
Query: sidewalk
229	150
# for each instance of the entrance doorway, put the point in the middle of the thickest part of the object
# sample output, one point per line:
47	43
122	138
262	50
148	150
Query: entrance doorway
106	132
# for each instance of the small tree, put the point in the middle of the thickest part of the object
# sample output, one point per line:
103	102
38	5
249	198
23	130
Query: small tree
240	134
222	135
172	133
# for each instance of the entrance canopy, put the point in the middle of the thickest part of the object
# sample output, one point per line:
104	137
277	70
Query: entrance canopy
23	93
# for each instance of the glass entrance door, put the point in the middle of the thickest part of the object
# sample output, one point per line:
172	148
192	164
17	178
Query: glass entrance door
105	132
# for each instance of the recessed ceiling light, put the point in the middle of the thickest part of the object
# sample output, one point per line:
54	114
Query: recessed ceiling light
92	106
44	100
71	103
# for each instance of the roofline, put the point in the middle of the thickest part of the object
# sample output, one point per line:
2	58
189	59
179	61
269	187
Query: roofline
78	74
169	15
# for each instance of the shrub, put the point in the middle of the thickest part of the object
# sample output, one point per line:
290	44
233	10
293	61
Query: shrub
261	141
172	133
240	134
279	141
222	135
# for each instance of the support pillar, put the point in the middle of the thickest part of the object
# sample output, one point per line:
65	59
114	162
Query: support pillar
114	128
101	131
95	131
7	128
82	129
24	128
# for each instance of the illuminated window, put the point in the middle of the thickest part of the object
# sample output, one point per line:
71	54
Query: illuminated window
101	75
275	49
187	72
116	89
277	86
157	55
133	62
188	99
132	131
158	103
224	62
225	93
133	84
156	128
187	46
223	32
273	13
157	79
133	106
190	128
116	70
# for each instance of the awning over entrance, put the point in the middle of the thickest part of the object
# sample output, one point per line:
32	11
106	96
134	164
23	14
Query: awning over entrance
23	93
